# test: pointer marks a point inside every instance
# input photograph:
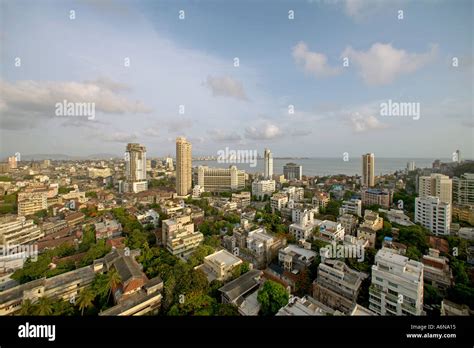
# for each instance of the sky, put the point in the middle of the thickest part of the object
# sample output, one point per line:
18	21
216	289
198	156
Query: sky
311	85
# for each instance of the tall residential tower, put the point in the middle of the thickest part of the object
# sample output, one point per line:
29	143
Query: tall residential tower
268	164
368	170
183	166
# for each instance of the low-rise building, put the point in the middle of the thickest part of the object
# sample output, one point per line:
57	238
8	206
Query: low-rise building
278	201
436	270
353	206
349	222
337	285
382	198
32	202
241	199
107	229
18	231
219	265
179	237
262	188
242	292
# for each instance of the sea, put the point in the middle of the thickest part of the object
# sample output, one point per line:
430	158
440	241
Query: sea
328	166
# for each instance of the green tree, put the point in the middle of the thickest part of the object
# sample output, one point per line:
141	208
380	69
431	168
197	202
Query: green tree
27	308
113	280
44	307
272	297
85	299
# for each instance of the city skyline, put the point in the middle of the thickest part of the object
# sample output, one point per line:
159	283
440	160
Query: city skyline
162	65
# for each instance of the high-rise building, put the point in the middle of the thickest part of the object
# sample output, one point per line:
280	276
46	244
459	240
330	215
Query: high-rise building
220	179
136	167
411	166
436	185
368	170
12	162
397	284
463	189
268	164
433	214
183	166
292	171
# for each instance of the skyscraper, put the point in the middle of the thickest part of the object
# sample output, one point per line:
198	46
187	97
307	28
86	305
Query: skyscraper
268	164
368	170
183	166
135	158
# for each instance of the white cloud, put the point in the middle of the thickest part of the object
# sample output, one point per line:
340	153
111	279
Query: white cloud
364	122
226	86
25	103
313	62
264	131
382	63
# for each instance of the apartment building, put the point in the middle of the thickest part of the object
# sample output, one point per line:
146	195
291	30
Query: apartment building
263	247
368	170
382	198
242	199
183	166
32	202
433	214
98	172
304	224
262	188
463	189
330	231
219	265
18	230
278	201
292	171
436	185
368	229
294	193
464	213
397	285
179	237
349	222
321	199
353	206
337	285
220	179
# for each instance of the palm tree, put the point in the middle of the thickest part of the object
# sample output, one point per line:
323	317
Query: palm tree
85	299
27	308
44	306
113	280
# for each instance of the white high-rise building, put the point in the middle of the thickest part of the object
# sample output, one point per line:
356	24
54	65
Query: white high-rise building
368	170
397	284
436	185
183	166
268	164
433	214
220	179
136	167
411	166
260	188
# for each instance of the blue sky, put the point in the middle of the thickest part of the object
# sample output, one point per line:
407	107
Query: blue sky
283	62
